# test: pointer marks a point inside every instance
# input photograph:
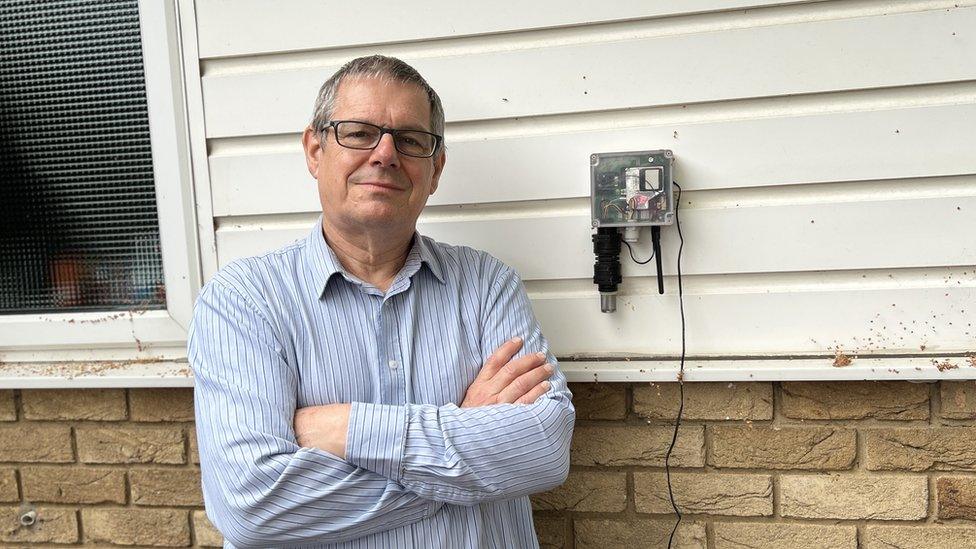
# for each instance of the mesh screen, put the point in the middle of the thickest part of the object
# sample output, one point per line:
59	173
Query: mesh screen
78	223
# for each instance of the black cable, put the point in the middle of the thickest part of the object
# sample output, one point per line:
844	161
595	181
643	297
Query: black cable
645	262
681	374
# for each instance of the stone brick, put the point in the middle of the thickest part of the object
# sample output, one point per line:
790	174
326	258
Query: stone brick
191	435
8	485
755	535
855	400
705	401
765	447
50	526
919	537
70	404
161	404
712	493
958	399
957	497
599	400
937	449
206	533
586	491
637	534
124	526
8	408
551	532
73	485
889	497
637	445
165	487
130	444
35	443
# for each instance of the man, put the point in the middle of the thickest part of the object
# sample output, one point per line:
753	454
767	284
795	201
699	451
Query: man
367	386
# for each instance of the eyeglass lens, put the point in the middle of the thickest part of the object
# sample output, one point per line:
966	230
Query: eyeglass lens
359	135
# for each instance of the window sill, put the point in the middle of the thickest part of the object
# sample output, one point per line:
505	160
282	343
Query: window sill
96	374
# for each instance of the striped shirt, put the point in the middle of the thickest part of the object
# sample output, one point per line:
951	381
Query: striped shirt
292	328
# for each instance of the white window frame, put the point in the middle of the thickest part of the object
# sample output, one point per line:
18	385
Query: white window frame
148	335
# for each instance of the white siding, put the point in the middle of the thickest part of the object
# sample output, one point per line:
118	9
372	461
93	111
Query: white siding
241	27
826	150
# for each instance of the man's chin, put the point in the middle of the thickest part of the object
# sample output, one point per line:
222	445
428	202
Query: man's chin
382	218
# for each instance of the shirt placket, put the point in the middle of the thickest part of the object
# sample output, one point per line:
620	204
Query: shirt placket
390	366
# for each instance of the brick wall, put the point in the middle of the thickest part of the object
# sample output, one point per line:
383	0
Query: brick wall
757	465
867	465
101	466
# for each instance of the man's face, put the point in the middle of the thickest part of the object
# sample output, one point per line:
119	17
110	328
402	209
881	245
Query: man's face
379	188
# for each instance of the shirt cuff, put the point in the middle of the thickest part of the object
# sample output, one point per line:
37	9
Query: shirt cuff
375	438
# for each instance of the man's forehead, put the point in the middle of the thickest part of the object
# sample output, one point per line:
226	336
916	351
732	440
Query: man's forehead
360	93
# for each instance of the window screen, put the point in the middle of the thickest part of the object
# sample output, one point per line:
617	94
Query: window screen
78	223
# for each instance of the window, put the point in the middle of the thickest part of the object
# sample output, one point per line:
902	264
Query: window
80	230
98	250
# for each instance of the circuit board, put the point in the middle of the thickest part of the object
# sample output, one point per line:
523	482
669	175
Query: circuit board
631	189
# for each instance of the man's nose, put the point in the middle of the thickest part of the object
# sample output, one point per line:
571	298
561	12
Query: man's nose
385	153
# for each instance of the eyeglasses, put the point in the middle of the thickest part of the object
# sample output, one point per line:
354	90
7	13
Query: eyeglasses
353	134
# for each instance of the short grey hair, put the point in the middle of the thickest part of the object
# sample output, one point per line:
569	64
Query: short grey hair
375	66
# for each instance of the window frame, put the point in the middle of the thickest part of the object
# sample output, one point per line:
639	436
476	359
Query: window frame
151	334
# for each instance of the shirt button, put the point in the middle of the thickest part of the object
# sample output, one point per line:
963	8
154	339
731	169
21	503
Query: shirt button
394	365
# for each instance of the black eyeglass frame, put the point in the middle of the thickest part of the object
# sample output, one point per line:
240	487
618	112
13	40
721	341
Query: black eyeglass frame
438	139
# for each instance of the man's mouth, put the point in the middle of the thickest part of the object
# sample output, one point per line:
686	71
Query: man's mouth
382	185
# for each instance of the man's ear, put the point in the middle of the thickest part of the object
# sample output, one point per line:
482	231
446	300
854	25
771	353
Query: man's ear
439	162
313	150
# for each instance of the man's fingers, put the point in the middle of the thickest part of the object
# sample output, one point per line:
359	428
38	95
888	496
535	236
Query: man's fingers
499	358
525	383
514	369
534	394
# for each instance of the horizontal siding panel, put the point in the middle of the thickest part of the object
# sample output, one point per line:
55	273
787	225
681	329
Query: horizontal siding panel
874	234
921	367
897	143
809	57
816	321
243	27
815	221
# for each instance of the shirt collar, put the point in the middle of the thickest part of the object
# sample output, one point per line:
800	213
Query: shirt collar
323	262
428	256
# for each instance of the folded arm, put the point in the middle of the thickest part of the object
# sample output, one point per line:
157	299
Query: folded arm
468	455
261	487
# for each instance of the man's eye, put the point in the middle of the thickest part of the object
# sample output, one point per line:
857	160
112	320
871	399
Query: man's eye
407	140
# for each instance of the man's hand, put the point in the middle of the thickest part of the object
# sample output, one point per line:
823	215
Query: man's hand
503	380
324	427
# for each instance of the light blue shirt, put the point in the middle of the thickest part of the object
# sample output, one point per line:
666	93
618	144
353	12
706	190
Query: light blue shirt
292	328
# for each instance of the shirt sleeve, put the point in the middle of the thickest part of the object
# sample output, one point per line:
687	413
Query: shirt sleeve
261	488
468	455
